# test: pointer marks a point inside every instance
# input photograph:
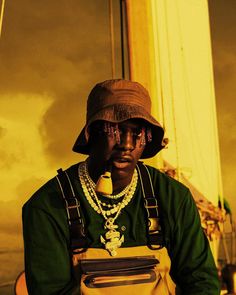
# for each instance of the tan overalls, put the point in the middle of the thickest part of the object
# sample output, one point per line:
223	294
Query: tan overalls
154	281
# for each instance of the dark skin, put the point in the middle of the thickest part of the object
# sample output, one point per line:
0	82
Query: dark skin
122	156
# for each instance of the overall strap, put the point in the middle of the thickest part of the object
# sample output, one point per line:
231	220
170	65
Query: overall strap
155	235
73	210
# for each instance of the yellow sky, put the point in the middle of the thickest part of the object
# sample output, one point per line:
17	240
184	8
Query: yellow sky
50	58
21	153
223	32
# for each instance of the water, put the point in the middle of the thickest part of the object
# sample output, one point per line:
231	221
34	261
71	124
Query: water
11	261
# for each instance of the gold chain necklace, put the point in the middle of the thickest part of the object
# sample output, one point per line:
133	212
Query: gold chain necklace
113	239
113	197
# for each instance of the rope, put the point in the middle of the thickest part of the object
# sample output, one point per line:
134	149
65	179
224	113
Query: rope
1	16
216	136
112	39
202	170
158	61
187	101
172	94
7	284
122	34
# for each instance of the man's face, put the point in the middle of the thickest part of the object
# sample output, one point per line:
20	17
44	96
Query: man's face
121	155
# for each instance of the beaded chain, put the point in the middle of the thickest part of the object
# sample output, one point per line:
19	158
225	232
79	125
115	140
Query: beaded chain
112	239
92	184
88	187
112	129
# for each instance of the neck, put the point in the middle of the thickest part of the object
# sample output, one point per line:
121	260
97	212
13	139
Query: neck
120	184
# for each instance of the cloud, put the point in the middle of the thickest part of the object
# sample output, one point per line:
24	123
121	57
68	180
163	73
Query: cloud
223	32
21	149
10	217
52	46
222	21
8	159
3	132
26	188
60	126
60	49
224	64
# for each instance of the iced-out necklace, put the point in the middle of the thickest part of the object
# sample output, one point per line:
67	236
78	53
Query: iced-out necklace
113	238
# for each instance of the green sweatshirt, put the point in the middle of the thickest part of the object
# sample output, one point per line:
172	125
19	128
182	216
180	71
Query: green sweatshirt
47	242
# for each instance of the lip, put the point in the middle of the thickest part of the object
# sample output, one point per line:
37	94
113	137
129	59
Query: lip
121	161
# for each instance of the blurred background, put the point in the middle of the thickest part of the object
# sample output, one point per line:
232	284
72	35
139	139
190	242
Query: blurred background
51	55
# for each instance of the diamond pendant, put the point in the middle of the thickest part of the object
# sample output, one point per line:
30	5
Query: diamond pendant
112	239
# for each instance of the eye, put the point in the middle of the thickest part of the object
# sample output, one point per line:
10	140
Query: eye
138	133
119	131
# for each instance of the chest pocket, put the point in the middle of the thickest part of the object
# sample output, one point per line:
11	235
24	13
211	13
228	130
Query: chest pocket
99	273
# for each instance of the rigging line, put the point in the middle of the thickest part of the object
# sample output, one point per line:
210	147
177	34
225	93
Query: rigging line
1	16
189	112
212	95
185	80
129	39
111	20
158	59
7	284
122	39
172	91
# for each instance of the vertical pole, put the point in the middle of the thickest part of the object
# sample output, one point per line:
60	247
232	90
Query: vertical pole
1	16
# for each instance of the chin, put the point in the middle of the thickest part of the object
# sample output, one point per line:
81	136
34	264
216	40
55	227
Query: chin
122	173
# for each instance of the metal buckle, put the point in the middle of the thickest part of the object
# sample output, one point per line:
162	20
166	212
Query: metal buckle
72	203
150	203
153	225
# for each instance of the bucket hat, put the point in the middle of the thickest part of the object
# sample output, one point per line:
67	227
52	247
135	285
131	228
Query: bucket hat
116	101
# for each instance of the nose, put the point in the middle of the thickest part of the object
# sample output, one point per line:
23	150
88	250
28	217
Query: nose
127	141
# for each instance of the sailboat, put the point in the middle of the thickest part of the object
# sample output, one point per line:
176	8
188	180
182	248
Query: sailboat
169	52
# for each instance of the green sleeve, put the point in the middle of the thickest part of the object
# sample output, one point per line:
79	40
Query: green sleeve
193	266
47	258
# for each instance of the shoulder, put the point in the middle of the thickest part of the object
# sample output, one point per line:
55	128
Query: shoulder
165	183
178	210
49	195
174	197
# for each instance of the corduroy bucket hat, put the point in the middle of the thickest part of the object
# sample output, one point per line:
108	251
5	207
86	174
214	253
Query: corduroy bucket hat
116	101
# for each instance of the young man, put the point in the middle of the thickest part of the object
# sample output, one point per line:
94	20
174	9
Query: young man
163	247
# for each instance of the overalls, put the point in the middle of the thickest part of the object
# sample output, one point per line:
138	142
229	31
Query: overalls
134	270
151	281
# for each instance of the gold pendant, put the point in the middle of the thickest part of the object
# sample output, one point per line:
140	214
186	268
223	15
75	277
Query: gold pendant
112	239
